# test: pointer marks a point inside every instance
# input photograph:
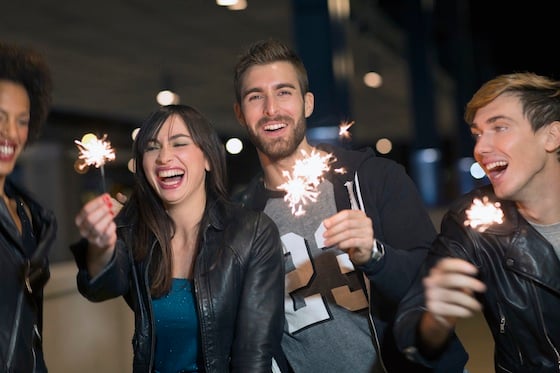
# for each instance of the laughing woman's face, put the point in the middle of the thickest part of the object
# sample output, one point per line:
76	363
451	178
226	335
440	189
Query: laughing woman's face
14	124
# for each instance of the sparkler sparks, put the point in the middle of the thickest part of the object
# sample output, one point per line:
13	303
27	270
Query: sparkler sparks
483	213
301	184
94	152
343	130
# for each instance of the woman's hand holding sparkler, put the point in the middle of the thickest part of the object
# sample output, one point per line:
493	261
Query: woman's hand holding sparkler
95	223
350	231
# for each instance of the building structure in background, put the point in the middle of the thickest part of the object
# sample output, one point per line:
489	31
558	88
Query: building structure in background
430	55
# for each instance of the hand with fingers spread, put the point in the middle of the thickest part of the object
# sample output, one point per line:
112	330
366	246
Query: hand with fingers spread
95	223
449	289
350	231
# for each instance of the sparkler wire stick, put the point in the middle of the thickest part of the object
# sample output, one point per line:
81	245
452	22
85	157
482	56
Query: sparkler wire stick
103	188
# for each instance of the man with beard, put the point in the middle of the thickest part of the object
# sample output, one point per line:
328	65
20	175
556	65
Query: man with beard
347	265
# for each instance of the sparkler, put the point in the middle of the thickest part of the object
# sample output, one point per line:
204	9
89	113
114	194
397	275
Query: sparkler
94	152
483	213
343	133
301	184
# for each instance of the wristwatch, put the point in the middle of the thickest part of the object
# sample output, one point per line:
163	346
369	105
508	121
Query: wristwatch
378	250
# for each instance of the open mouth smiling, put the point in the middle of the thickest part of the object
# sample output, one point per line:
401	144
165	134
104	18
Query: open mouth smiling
274	127
495	168
170	176
7	149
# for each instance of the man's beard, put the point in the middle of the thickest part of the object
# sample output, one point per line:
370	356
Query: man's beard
280	148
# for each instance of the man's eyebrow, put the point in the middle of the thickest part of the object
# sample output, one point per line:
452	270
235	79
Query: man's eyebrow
251	90
277	86
491	120
496	118
285	85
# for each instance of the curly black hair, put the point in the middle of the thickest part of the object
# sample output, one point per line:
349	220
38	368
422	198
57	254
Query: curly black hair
27	67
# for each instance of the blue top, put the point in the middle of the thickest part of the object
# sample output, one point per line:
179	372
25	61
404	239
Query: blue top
177	336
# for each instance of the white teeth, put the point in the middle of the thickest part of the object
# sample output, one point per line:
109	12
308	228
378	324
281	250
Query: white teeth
493	165
272	127
6	150
169	173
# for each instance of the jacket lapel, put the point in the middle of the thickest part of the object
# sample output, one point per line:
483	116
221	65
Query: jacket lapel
529	254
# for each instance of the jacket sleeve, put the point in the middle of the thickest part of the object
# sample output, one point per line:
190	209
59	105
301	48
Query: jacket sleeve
452	357
261	310
111	282
401	223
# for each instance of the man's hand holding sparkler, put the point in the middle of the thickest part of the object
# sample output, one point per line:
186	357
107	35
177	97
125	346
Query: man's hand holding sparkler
350	231
449	289
95	223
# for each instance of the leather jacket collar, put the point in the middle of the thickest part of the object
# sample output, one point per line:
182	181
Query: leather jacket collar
540	262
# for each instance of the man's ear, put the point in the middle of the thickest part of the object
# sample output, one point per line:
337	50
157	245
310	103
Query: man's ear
309	104
239	114
553	136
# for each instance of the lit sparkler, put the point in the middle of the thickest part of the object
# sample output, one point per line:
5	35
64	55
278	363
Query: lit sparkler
483	213
94	152
343	130
302	182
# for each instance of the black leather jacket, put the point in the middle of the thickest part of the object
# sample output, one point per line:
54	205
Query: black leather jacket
23	276
522	274
239	285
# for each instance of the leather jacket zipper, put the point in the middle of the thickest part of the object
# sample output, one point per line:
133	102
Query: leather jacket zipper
503	324
27	275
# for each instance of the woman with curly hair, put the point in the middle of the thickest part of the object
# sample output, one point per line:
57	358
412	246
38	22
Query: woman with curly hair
27	230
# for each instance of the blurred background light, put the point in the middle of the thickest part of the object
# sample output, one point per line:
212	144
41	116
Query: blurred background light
384	146
234	145
373	79
167	97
